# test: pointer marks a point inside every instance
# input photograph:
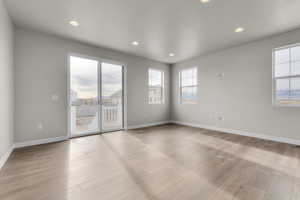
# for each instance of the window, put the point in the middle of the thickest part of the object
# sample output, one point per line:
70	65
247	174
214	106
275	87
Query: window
286	76
156	86
188	86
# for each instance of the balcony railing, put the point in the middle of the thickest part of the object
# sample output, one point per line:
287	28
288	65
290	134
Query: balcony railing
86	117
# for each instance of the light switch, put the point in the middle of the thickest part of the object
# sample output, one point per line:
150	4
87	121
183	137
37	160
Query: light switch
54	97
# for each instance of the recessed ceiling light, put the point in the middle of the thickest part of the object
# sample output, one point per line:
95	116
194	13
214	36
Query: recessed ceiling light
74	23
239	30
135	43
171	54
205	1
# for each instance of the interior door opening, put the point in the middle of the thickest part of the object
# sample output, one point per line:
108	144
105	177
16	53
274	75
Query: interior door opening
96	96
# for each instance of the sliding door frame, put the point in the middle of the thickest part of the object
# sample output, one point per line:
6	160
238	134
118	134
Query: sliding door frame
124	94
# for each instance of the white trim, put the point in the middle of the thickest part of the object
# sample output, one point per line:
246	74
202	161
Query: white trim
100	61
84	134
68	84
287	46
124	95
196	85
162	85
70	135
5	157
275	101
241	132
148	125
38	142
125	115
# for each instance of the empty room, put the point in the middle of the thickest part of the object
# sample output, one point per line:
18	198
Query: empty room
150	100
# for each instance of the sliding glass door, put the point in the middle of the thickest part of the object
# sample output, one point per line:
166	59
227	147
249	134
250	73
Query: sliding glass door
95	96
84	96
111	96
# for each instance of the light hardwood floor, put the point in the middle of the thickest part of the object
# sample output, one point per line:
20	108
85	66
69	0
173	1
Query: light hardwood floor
160	163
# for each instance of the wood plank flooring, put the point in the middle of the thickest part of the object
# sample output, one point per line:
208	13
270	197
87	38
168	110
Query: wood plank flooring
160	163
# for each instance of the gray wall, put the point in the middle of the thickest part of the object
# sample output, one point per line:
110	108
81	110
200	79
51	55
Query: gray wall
243	97
6	81
41	71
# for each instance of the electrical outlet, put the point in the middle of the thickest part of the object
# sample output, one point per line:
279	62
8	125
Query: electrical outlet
220	75
221	118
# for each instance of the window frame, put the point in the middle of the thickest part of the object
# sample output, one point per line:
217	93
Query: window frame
190	86
162	86
275	101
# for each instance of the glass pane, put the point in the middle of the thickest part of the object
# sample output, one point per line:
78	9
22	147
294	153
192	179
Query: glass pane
282	88
295	88
282	70
189	95
84	95
189	77
282	56
155	77
155	86
295	53
112	96
295	68
155	95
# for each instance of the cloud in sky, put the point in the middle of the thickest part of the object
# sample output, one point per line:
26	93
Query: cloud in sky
84	77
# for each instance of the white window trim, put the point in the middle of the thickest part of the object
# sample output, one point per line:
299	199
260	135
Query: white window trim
180	86
125	88
274	100
162	101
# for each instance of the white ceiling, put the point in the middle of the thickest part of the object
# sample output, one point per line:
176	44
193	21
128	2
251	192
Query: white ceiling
185	27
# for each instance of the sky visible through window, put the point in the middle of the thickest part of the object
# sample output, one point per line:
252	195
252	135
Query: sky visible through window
84	78
155	77
111	79
287	73
156	86
188	85
189	77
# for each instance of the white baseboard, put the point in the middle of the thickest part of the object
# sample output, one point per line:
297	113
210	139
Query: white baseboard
42	141
240	132
4	158
148	125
